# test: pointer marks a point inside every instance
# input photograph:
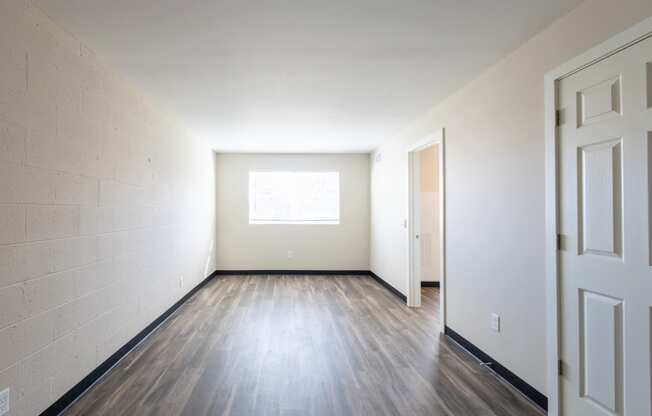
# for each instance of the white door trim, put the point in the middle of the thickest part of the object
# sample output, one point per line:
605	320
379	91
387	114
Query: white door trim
414	284
635	34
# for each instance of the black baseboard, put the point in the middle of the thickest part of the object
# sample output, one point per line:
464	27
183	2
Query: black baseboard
429	284
293	272
387	286
519	384
87	382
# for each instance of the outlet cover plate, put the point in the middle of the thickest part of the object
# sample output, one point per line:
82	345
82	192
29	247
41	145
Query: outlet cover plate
495	322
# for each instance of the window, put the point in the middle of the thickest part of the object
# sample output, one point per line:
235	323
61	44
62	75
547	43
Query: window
294	197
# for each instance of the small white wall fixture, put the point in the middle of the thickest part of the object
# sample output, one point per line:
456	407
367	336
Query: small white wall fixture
635	34
414	282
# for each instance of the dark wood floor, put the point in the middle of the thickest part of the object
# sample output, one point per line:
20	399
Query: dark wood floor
300	345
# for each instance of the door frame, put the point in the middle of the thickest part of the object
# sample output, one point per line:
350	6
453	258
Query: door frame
414	284
617	43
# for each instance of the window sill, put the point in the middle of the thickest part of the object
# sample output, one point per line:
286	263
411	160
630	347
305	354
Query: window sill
254	222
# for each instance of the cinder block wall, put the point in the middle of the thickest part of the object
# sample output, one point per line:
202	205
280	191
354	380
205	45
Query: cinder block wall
106	210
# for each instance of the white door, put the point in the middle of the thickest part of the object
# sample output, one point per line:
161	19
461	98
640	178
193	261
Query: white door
605	138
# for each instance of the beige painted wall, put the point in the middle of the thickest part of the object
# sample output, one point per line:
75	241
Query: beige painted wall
494	190
429	213
241	246
428	163
104	205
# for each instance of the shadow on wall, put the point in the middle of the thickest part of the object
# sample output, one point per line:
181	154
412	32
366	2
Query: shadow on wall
207	265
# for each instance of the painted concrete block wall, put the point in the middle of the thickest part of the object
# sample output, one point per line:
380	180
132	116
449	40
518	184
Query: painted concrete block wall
104	205
494	190
241	246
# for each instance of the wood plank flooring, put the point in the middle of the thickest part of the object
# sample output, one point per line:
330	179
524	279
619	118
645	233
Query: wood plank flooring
300	345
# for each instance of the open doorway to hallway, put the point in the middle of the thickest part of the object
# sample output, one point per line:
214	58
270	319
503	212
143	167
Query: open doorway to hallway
428	200
428	212
426	218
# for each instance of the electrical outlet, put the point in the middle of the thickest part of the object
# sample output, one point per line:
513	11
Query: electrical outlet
290	254
495	322
4	402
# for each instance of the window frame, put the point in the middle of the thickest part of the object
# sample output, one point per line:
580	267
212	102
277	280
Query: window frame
251	199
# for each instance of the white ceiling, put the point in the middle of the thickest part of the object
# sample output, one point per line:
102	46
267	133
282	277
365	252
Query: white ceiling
301	75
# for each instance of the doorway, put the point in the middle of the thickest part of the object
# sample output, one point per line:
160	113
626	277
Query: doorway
426	219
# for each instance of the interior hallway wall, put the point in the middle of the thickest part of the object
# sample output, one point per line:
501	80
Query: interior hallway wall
106	210
494	190
429	213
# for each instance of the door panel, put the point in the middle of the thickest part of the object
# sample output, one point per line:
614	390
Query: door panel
600	203
601	353
605	179
599	102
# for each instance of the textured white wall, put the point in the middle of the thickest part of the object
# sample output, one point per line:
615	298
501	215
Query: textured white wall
241	246
104	205
494	190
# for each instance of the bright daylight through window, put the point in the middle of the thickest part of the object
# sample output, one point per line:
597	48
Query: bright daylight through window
294	197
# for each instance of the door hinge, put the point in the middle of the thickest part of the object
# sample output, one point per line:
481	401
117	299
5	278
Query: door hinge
560	368
560	242
557	118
